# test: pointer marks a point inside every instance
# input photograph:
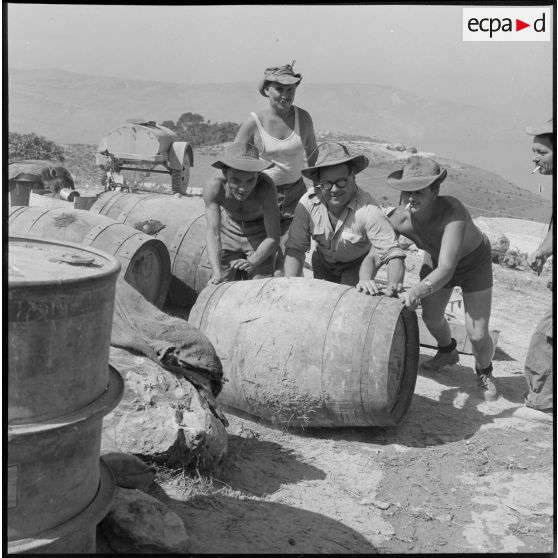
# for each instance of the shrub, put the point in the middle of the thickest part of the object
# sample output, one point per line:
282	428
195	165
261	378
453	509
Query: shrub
33	146
193	128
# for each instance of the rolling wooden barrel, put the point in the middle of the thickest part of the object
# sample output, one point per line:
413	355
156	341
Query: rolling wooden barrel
183	235
60	385
145	260
306	352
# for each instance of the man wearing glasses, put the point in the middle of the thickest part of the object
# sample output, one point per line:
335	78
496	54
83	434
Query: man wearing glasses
353	237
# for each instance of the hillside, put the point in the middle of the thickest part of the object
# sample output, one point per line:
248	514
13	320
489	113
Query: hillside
76	108
484	193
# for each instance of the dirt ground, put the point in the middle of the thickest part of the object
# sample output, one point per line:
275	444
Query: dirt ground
458	474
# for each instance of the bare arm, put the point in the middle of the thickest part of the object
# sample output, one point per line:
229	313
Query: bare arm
450	250
309	138
294	262
538	258
211	195
246	132
272	220
367	272
395	276
384	250
298	242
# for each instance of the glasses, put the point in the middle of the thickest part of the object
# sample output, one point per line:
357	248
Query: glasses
340	183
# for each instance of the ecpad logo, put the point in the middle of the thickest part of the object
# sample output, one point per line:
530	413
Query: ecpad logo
507	24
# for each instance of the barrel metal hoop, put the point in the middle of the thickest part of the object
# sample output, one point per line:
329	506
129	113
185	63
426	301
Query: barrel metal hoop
178	238
327	331
129	245
197	257
373	324
39	216
196	265
103	210
207	313
15	213
94	233
124	214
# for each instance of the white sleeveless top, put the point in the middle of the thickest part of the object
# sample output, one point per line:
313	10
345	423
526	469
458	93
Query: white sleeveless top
287	154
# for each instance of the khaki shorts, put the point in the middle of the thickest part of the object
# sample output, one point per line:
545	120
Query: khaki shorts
473	272
239	240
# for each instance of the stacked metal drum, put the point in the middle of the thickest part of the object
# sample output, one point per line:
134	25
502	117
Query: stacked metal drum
60	386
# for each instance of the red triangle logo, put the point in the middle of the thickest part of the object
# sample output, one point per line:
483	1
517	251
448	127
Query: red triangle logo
519	25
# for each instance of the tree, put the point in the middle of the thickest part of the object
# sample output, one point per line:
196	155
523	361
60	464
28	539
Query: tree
169	124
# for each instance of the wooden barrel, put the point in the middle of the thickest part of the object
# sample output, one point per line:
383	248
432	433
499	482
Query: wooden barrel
60	308
47	200
306	352
145	260
183	235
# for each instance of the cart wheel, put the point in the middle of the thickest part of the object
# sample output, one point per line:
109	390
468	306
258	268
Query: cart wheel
181	178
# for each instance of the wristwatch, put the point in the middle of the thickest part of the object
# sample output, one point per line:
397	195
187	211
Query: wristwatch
428	283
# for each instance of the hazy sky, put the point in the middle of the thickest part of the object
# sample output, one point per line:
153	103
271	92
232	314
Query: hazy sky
416	48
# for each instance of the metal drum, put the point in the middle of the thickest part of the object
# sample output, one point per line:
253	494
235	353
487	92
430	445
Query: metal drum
60	306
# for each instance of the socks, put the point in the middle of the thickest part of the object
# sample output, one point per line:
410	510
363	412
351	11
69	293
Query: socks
448	348
487	370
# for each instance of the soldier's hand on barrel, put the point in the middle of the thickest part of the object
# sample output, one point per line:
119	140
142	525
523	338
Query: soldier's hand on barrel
243	265
410	299
217	278
393	290
368	286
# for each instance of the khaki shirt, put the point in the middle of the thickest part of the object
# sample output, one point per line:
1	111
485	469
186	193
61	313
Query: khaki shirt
360	226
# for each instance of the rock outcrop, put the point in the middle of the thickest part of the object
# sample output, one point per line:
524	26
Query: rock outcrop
498	240
162	416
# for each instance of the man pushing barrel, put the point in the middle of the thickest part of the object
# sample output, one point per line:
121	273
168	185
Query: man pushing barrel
353	237
242	214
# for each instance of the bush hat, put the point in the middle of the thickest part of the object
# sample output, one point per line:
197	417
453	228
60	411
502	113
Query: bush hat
243	157
281	74
545	128
331	154
417	174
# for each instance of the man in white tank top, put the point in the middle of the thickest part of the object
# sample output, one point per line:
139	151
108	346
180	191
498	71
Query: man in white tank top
285	134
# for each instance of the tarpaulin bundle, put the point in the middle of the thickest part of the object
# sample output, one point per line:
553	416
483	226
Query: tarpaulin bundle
169	341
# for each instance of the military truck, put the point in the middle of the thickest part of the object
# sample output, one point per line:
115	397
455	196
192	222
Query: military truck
145	147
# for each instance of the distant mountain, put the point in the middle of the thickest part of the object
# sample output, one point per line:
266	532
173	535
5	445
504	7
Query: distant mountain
75	108
483	193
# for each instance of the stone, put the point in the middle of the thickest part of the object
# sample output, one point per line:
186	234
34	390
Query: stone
140	524
499	242
129	471
162	416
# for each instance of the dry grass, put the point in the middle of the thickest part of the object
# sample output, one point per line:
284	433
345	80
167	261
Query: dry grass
190	484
